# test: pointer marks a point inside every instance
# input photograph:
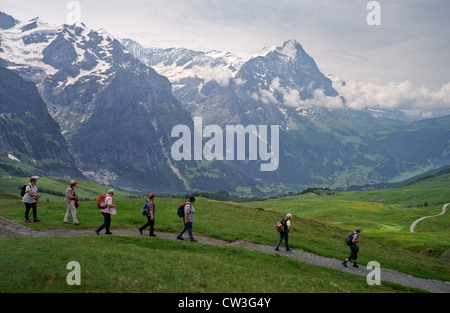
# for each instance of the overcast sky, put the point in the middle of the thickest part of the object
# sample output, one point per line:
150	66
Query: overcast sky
411	44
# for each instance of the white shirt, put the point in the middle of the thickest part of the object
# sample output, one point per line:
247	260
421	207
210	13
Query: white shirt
27	198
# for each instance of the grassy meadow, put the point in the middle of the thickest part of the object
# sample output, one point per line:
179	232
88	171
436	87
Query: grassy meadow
384	215
319	225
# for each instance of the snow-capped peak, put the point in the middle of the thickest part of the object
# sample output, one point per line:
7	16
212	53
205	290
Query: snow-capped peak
35	25
36	45
289	49
104	33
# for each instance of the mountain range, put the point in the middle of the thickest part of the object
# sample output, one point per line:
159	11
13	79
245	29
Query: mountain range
116	103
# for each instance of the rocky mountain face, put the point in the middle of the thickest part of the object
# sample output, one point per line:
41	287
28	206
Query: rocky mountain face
187	70
117	103
115	113
322	142
31	142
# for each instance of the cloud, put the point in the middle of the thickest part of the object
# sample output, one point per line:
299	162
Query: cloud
403	95
217	73
291	97
416	101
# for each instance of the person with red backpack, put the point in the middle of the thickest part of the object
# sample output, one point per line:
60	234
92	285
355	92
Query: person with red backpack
108	208
284	228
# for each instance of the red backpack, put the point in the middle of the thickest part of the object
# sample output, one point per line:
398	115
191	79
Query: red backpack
281	226
101	202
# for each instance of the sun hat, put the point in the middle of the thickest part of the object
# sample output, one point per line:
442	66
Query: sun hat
111	191
289	215
73	182
34	178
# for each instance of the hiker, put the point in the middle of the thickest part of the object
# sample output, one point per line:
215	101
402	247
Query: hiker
354	248
189	214
71	199
150	206
109	210
30	198
285	233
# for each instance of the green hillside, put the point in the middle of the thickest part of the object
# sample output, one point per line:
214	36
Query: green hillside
140	265
53	189
385	215
319	225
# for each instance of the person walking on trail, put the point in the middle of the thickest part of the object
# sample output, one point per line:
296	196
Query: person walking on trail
189	214
354	248
71	199
110	209
150	206
30	199
284	234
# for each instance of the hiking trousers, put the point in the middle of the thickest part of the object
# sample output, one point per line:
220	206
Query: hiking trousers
188	227
284	236
28	207
106	222
71	210
149	223
354	253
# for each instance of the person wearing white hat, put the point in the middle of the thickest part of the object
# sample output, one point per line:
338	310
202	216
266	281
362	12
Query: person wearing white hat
284	234
71	199
30	199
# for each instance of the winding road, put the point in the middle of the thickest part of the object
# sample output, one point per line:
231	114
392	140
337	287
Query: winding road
444	208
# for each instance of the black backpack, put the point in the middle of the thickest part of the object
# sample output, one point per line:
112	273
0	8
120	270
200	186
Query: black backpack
349	239
22	192
180	211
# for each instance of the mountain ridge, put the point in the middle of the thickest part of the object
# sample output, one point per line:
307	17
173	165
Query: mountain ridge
102	94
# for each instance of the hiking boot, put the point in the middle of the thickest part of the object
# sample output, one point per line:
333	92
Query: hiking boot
77	223
355	265
344	263
97	232
108	233
66	222
180	238
152	235
193	240
36	220
276	249
27	221
140	230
